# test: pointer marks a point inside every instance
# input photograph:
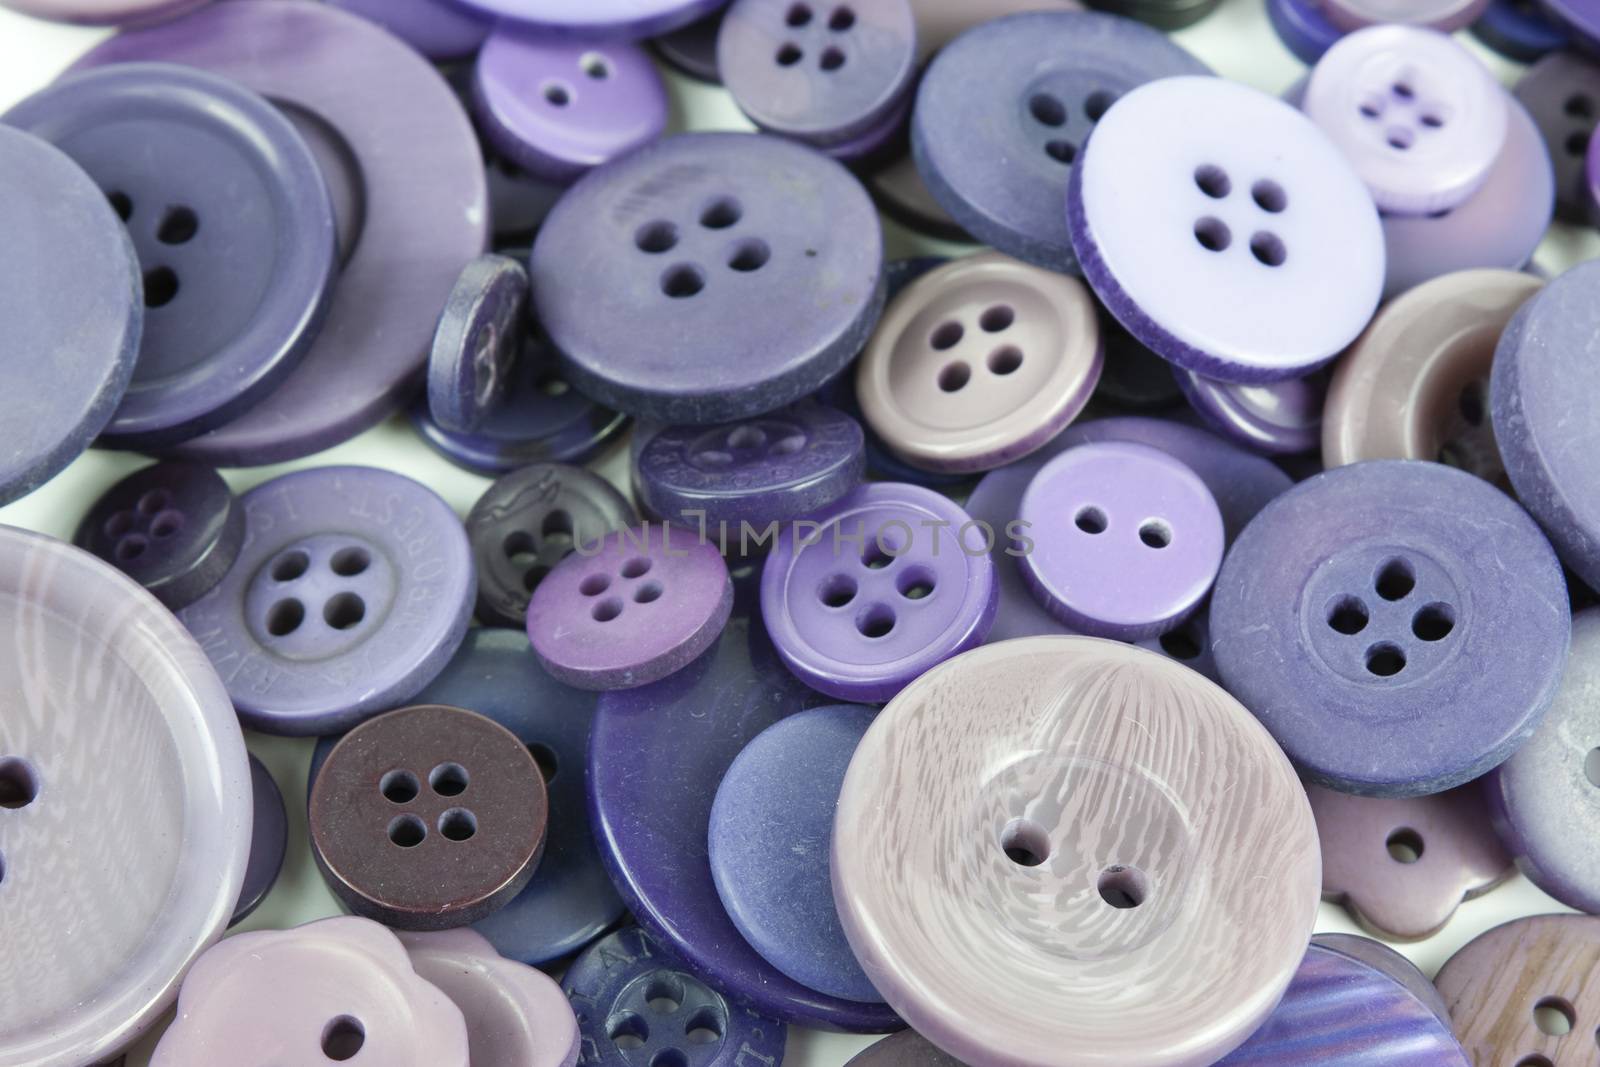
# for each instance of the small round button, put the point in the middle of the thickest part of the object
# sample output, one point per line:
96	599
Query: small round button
1080	812
1361	610
1562	94
980	362
428	818
1282	418
479	339
1246	260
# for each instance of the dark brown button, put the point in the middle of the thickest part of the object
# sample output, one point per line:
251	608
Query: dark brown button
428	818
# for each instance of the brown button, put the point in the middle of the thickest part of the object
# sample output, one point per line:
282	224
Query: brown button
428	818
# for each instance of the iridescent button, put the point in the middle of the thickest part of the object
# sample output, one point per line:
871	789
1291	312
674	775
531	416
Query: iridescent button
980	362
1084	819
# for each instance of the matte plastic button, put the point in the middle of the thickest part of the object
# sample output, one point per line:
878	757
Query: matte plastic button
1126	540
1527	991
771	468
1420	119
1416	385
1359	612
439	29
559	108
771	827
1005	109
269	839
1444	15
529	521
1280	418
598	19
1546	798
631	608
1244	260
407	183
175	528
352	591
428	818
1562	94
1084	812
107	902
637	1004
481	335
980	362
232	224
646	272
337	989
1401	867
69	286
1519	30
941	21
889	581
818	71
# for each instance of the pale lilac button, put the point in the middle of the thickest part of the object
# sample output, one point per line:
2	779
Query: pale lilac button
980	362
338	989
1277	417
1061	851
1242	258
631	608
103	12
1125	540
1438	14
558	108
1420	119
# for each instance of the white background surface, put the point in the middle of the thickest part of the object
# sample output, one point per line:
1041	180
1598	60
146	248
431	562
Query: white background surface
1236	41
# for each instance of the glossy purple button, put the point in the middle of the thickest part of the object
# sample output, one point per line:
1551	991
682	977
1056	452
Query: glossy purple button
1546	798
1125	540
1247	260
482	332
887	582
631	608
646	272
352	591
822	72
1359	612
598	19
559	108
439	29
1280	418
1562	93
1381	957
107	902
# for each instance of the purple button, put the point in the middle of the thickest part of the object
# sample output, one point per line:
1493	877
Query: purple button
941	21
1519	30
439	29
1420	119
104	12
559	108
1445	15
598	19
1578	16
1247	260
631	608
1276	417
1562	94
1381	957
1120	540
269	840
889	581
693	49
822	72
481	334
1303	28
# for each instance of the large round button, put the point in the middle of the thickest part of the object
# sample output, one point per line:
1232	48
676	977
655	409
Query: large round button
481	335
352	591
887	582
1004	110
980	362
107	902
428	818
1082	813
645	274
1242	259
1363	609
232	223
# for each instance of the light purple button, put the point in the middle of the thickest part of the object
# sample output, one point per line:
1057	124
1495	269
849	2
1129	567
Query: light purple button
439	29
887	582
103	12
558	108
1420	119
1277	417
631	608
1242	258
1438	14
1125	540
599	19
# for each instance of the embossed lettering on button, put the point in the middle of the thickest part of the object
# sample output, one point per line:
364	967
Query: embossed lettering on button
980	362
1246	260
1085	813
352	591
481	333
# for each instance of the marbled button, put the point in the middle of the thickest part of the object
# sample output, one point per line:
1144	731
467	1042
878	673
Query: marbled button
1562	93
1281	418
1443	15
1527	993
1401	866
1416	384
428	818
107	901
337	989
269	840
887	582
482	332
439	29
1245	260
353	589
1082	846
980	362
559	108
175	528
1381	957
1126	540
1359	612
